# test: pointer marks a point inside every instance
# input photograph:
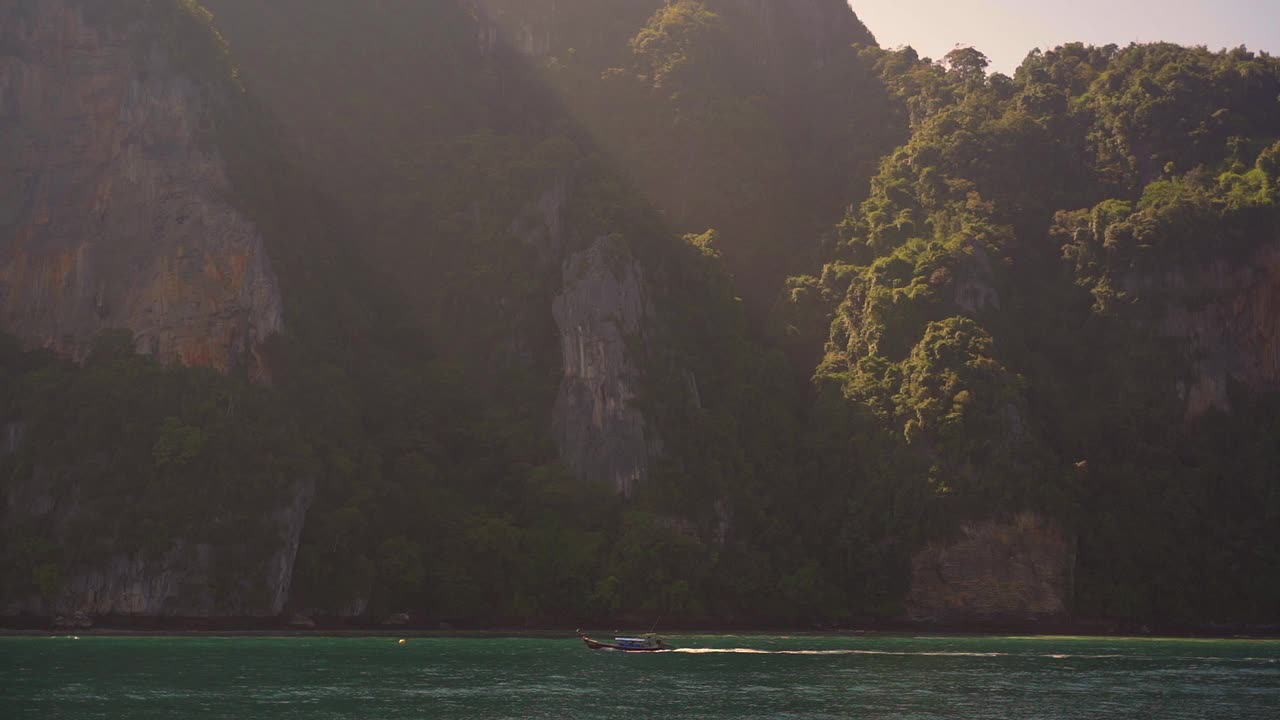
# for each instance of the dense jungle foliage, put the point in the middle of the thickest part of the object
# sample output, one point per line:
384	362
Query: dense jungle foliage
1005	319
1013	308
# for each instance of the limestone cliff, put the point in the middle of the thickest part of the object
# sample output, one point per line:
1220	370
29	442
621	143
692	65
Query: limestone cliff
1020	569
596	30
179	582
114	205
801	35
116	212
356	88
527	27
809	31
1229	325
601	315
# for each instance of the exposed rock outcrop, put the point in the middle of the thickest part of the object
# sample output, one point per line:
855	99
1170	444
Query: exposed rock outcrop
541	224
1021	569
11	435
78	621
116	213
301	622
804	33
596	29
114	207
527	27
975	287
1232	332
601	315
180	582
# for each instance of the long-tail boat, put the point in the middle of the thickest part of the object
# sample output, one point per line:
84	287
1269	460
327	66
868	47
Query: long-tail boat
648	642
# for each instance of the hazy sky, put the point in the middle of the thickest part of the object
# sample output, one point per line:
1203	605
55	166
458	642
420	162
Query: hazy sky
1007	29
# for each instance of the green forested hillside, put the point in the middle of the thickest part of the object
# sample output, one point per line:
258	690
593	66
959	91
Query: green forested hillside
884	297
1011	311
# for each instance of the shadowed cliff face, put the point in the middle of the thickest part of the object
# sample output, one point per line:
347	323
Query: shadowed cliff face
178	582
453	69
598	30
999	570
602	314
1234	337
116	211
376	95
806	31
806	34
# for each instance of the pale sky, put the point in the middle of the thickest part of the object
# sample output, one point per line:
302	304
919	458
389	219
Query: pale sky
1006	30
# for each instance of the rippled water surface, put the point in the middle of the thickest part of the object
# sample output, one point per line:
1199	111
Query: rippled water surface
749	676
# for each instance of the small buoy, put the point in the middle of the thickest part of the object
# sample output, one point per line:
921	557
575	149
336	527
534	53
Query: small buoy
403	641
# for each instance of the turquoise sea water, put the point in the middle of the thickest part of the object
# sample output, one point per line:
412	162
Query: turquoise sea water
748	676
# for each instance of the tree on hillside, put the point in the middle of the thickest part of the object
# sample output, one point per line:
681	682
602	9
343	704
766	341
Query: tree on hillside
967	62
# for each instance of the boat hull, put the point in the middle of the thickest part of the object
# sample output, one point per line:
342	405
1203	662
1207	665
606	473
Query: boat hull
597	645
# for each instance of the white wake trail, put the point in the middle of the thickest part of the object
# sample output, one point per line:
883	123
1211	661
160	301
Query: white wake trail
756	651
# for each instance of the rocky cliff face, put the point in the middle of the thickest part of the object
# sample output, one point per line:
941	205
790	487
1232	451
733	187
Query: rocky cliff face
601	315
114	209
595	29
176	583
357	87
11	437
804	33
797	35
997	570
116	213
1232	331
527	27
